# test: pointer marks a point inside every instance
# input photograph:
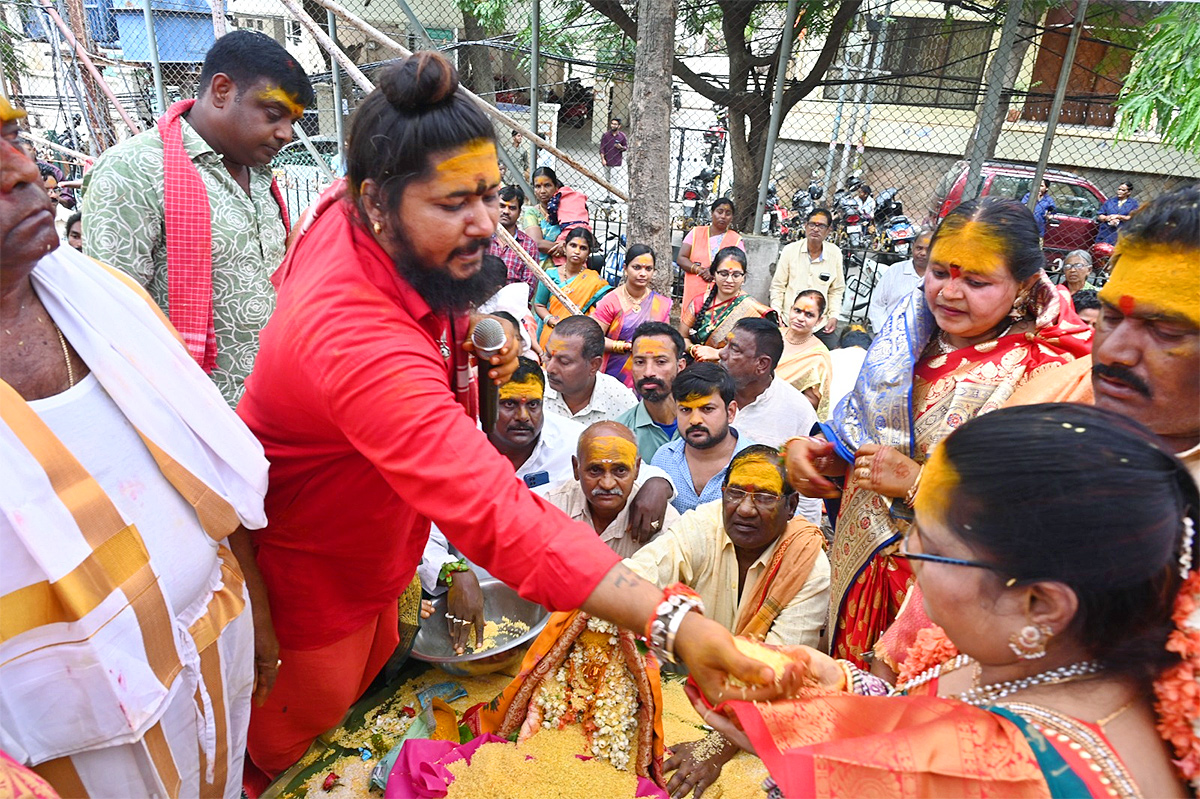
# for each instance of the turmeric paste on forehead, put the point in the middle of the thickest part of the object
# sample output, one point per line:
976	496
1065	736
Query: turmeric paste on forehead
939	479
972	246
611	449
528	388
1155	278
277	94
757	472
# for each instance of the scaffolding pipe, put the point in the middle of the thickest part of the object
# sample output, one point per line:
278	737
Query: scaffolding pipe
87	62
82	158
415	24
160	90
535	78
1064	74
312	150
338	122
487	108
785	56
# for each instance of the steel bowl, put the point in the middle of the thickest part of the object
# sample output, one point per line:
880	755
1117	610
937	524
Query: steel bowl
433	645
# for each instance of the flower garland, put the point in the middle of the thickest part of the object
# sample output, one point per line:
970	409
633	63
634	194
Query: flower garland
930	648
1177	691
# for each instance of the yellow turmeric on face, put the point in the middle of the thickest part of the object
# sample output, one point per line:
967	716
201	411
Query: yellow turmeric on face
528	388
474	163
277	94
1155	278
697	400
611	449
939	479
969	246
757	473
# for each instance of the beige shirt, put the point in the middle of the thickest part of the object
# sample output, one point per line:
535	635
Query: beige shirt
796	272
568	497
697	552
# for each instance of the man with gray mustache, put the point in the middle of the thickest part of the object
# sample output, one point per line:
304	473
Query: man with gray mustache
606	466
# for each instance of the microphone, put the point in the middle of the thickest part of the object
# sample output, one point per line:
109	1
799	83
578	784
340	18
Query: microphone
488	339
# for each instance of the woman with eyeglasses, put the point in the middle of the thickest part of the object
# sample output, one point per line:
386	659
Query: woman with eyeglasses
984	321
708	321
701	245
1067	654
1077	268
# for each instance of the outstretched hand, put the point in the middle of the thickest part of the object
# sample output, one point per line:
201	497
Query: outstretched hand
808	460
506	362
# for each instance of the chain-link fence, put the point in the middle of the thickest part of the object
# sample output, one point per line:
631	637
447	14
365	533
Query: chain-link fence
878	110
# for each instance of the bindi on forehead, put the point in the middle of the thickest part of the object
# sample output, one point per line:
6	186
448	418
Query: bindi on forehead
972	248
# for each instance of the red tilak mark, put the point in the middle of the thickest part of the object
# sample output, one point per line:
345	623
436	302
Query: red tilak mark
955	272
1126	304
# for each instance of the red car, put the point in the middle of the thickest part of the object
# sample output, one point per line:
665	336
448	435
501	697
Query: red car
1071	226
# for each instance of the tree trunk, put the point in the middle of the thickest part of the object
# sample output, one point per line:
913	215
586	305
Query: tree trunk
650	135
1012	68
478	61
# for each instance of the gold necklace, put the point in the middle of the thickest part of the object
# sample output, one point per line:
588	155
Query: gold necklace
66	355
635	304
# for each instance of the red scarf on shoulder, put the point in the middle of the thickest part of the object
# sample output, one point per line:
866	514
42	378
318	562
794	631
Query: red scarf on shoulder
189	241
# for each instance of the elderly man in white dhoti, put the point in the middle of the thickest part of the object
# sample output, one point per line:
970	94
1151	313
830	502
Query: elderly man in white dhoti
126	641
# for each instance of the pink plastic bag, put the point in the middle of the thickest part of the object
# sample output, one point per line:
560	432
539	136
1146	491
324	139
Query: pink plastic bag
421	772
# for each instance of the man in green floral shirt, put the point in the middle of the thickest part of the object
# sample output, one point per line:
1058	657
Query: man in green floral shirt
194	199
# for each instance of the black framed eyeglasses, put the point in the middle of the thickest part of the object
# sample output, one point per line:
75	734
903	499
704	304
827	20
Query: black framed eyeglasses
903	552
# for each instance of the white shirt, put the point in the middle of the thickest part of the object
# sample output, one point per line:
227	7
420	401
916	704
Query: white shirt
568	497
697	552
89	424
896	283
550	462
846	363
610	398
796	271
777	414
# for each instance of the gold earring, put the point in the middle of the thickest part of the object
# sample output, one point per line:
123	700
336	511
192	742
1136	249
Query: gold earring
1030	642
378	227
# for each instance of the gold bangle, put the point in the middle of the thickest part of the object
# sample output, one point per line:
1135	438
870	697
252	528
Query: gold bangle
911	496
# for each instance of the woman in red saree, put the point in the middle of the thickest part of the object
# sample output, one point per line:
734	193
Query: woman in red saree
1066	615
986	320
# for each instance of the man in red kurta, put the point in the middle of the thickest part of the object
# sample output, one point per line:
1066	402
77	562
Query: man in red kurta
352	399
362	398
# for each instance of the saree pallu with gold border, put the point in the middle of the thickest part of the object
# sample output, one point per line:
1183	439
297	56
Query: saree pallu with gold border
713	327
911	403
924	746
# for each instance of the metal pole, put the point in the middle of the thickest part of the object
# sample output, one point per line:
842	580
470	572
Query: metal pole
1064	74
827	178
484	106
535	44
312	150
785	55
991	101
152	43
415	24
87	62
878	43
338	123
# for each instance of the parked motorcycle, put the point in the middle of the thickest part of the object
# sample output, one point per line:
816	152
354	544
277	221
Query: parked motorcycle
714	137
696	196
895	230
850	226
774	213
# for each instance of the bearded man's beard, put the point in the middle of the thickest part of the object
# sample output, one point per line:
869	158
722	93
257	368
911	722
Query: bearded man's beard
440	289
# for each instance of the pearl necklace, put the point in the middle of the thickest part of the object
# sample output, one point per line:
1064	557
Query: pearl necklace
932	674
980	695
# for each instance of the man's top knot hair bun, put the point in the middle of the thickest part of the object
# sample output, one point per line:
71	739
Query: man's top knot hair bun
422	81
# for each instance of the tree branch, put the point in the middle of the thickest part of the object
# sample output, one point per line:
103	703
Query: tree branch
710	91
833	39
